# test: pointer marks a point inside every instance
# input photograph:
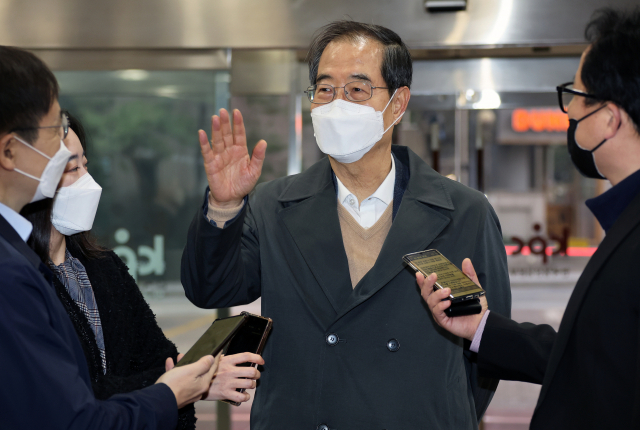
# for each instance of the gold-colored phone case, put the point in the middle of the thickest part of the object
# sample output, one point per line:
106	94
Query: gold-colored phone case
449	276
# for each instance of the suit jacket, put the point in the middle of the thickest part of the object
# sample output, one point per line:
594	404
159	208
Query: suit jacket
46	383
136	348
332	358
590	368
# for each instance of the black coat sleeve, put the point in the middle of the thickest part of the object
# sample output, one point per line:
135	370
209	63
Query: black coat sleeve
221	266
147	349
515	351
39	358
490	262
135	346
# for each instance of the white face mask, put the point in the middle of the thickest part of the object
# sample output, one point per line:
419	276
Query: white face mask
52	172
346	131
75	206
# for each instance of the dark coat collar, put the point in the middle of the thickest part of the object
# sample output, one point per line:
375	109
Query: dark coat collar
14	239
425	184
310	215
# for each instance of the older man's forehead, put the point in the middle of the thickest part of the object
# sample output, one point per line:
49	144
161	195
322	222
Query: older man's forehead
365	53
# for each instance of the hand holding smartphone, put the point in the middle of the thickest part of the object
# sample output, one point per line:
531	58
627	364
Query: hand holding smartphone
464	294
241	333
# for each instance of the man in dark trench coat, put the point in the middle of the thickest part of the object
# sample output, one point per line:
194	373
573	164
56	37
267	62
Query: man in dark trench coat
353	345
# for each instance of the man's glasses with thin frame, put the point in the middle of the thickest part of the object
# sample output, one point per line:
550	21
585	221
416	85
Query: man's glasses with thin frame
64	123
566	94
356	91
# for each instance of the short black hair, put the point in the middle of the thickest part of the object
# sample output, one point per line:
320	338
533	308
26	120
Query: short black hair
27	91
611	68
397	66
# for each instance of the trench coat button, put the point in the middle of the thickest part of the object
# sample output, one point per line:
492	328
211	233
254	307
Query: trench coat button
393	345
323	427
332	340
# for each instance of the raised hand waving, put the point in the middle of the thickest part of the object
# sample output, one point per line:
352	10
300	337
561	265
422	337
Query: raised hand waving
231	173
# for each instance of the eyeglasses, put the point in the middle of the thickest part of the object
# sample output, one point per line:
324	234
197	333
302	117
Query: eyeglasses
64	123
566	94
356	91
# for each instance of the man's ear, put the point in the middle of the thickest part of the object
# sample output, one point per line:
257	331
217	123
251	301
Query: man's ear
614	120
401	100
7	152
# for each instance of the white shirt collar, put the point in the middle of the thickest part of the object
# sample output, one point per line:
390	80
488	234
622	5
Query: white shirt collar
384	193
19	223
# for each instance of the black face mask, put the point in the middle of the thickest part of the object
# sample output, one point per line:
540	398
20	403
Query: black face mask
583	158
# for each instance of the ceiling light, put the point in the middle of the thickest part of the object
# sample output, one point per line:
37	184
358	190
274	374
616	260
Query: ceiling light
133	75
445	5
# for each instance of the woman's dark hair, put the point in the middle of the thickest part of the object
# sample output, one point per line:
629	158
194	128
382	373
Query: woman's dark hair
397	66
39	213
611	68
27	91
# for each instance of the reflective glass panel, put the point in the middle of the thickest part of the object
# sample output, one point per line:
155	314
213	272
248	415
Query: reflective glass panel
143	150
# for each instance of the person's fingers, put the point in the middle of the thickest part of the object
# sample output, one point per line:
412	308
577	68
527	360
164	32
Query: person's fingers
467	269
180	357
238	397
216	362
244	357
426	284
438	299
245	372
206	378
239	133
247	384
257	158
168	364
217	145
240	373
205	147
204	368
225	128
419	279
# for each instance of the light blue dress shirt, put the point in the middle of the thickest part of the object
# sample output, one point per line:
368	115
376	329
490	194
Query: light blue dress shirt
19	223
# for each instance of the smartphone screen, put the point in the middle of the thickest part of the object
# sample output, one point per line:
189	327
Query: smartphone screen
248	338
214	339
449	276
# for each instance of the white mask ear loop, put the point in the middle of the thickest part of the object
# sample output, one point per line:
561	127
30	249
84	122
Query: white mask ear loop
40	152
35	149
385	108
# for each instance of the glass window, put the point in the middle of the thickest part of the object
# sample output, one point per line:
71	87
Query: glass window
143	150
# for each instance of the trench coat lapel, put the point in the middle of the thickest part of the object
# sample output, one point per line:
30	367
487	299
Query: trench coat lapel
415	226
627	221
310	215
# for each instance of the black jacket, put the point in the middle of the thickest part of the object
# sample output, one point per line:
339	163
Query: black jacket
286	247
46	383
135	347
590	368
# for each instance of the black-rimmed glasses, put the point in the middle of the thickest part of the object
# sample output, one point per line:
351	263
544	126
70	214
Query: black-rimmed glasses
356	91
64	123
566	94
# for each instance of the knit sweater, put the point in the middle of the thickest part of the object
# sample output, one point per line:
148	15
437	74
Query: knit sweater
136	348
362	245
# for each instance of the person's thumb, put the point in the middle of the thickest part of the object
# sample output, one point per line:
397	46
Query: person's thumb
203	365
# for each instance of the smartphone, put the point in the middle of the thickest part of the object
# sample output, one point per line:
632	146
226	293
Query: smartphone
251	337
449	276
219	333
